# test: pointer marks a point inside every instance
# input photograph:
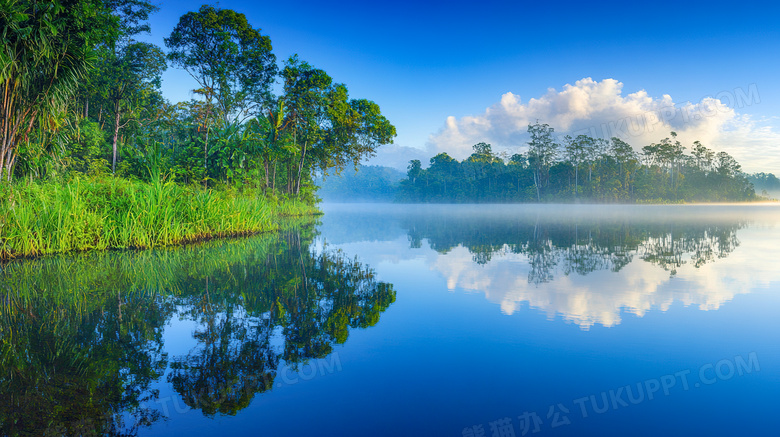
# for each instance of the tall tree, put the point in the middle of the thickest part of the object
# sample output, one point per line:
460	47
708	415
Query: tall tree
305	95
231	61
128	79
542	150
576	151
704	156
626	158
46	49
356	128
269	135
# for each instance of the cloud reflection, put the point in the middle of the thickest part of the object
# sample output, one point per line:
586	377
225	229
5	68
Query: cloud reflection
589	265
602	296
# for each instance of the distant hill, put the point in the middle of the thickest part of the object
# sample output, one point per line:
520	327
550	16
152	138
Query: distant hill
371	183
765	183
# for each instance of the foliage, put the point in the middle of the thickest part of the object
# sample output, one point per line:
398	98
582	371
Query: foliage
104	104
580	169
48	48
765	183
82	99
231	61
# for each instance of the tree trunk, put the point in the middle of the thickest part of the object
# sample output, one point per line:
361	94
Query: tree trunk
3	151
9	164
536	184
288	179
5	164
206	149
116	138
300	169
273	179
206	159
265	167
576	171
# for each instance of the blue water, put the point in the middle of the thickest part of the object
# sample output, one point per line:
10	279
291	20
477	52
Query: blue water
522	320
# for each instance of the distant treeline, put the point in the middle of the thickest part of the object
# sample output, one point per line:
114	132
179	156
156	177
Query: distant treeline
581	168
765	183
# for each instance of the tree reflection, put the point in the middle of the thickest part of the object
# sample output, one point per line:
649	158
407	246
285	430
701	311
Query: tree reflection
234	361
81	338
591	264
306	301
556	245
75	360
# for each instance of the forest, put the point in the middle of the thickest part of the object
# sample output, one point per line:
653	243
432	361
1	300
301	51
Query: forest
581	168
90	146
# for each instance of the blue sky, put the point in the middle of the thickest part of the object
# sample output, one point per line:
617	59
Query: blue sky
423	62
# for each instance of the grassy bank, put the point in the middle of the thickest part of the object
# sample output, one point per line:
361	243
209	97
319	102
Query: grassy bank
43	218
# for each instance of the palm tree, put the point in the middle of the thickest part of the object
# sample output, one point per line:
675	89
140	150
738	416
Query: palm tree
46	49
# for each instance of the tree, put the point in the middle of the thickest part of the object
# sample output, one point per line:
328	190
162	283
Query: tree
576	151
483	152
231	61
542	150
356	128
305	95
598	149
704	156
626	158
765	181
268	134
413	170
670	174
128	79
46	49
727	166
443	168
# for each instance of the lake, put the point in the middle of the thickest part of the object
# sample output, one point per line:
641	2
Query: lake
467	320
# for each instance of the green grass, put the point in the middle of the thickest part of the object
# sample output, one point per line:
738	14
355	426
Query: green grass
43	218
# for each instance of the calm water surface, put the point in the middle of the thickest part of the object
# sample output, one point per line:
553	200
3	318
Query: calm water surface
410	320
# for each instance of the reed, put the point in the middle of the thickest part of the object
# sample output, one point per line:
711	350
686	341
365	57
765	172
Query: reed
49	217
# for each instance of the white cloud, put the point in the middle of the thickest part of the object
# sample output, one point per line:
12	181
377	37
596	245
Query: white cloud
600	109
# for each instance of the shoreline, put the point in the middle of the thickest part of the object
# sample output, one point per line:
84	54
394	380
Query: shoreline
84	215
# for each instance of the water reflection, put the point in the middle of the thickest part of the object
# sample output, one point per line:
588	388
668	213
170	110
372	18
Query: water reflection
584	246
587	264
81	338
590	266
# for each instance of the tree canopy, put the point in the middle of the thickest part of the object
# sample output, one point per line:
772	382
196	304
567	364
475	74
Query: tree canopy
83	97
580	168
